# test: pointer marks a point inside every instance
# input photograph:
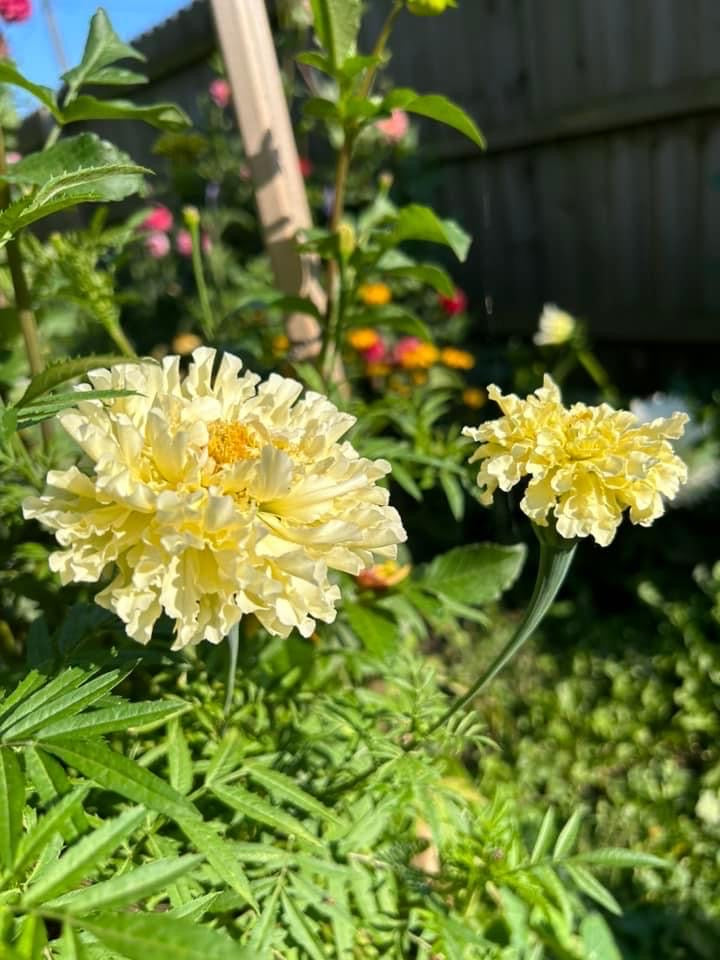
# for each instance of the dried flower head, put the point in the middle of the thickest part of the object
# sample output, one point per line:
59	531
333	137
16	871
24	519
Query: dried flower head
586	465
213	497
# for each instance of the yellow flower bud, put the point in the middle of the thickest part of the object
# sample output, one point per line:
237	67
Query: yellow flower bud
191	216
346	239
429	8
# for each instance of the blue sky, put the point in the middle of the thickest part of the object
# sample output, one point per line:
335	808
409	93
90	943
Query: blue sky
31	47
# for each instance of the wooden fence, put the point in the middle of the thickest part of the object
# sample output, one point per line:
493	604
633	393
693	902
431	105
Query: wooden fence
600	189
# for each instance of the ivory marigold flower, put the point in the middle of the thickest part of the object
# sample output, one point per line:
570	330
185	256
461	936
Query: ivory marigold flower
214	497
586	465
555	326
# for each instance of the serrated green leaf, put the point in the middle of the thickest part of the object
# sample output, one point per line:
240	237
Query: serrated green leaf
63	370
113	771
71	946
545	837
453	493
125	888
140	936
617	857
22	691
435	107
162	116
283	788
476	573
255	808
378	633
66	705
52	822
85	151
220	856
109	719
590	885
597	939
179	758
300	929
227	757
416	222
337	23
67	680
32	942
102	48
12	801
10	74
263	929
83	857
51	782
567	838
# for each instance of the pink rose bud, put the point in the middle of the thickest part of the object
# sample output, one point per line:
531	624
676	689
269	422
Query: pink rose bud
157	245
183	243
160	219
15	11
220	92
455	304
395	127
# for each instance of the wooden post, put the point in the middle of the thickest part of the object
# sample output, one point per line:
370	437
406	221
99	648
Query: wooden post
247	47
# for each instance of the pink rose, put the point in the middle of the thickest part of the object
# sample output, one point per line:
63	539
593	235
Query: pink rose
220	92
157	245
15	11
455	304
183	243
395	127
160	219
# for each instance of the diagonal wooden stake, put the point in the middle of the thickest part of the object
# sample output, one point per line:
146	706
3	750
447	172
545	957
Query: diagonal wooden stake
262	113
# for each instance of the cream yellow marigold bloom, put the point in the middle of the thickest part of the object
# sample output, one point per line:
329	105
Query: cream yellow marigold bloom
555	326
586	465
215	496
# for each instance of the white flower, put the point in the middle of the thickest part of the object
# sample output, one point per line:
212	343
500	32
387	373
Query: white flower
213	497
556	326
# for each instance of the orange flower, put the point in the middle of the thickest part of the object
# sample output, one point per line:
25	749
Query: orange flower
412	353
474	397
363	338
185	343
375	294
457	359
383	575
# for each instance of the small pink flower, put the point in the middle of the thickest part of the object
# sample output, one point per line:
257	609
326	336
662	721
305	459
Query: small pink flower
220	92
404	346
306	166
161	219
15	11
395	127
376	353
12	156
455	304
157	245
183	243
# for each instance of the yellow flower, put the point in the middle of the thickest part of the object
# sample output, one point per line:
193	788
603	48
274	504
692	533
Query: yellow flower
474	397
587	465
279	345
363	338
375	294
556	327
457	359
214	497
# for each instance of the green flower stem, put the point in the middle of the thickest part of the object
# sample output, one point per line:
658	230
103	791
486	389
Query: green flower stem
233	647
556	555
208	321
599	374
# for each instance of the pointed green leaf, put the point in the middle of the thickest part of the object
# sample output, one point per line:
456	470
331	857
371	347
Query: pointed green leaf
163	116
10	74
597	939
63	370
12	801
545	837
67	680
454	494
416	222
52	822
140	936
263	929
617	857
255	808
567	838
227	757
125	888
423	273
590	885
113	771
24	689
476	573
179	759
436	108
283	788
102	47
83	857
220	856
300	929
51	782
121	717
378	632
337	23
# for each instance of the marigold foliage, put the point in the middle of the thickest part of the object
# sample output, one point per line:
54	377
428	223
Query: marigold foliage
214	497
586	465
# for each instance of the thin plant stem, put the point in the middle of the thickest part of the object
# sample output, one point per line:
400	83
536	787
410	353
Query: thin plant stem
556	556
598	373
208	321
233	648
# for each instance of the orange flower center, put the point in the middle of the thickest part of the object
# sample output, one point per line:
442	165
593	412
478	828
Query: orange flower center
229	442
